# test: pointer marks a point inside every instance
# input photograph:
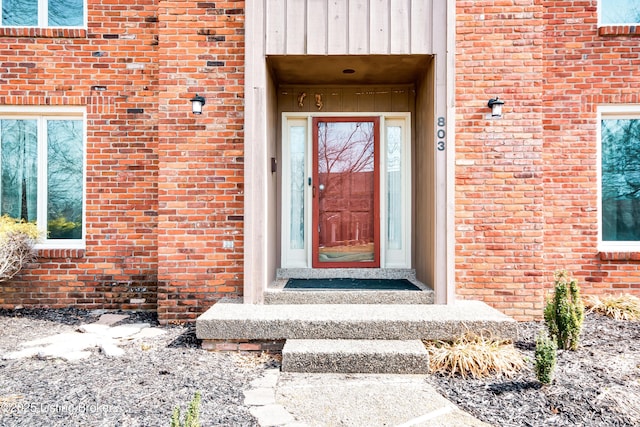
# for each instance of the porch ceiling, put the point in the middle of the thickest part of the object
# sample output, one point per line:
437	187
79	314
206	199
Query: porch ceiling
329	70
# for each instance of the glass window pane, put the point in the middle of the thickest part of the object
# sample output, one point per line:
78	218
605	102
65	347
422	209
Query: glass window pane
297	140
19	165
621	180
64	179
66	13
394	187
619	12
20	13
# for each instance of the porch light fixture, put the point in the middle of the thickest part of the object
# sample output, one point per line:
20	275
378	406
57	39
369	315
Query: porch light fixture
196	104
496	107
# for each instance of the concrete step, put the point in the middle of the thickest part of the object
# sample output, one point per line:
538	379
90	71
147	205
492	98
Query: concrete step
355	356
235	321
314	296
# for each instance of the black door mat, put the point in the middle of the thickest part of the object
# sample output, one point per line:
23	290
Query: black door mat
352	284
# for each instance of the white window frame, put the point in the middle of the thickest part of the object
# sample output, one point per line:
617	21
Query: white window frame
622	111
615	24
42	114
43	17
301	258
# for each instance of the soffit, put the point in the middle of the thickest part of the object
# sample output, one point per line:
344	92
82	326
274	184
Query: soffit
329	70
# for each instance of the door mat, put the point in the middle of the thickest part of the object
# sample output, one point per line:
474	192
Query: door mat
352	284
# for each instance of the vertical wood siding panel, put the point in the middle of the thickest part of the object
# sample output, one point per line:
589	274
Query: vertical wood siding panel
439	41
365	99
421	26
296	27
400	100
349	99
332	99
382	100
316	27
338	27
276	27
358	27
400	26
379	35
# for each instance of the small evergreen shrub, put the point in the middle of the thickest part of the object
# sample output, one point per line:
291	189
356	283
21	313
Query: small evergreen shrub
546	355
564	312
191	417
17	245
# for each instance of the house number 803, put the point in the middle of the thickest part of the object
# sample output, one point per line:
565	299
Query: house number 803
441	133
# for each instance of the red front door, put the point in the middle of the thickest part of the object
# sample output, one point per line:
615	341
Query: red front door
346	200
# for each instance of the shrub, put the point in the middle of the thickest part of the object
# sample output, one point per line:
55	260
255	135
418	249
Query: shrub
17	245
474	355
619	307
546	354
191	417
564	312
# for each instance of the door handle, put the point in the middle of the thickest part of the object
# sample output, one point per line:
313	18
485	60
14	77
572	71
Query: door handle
314	191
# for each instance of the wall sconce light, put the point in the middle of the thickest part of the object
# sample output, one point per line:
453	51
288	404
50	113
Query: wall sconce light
496	107
196	104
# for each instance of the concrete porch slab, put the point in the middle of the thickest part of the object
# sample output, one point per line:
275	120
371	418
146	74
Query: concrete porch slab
233	321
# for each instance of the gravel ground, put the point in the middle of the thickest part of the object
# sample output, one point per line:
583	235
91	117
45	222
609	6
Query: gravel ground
140	388
597	385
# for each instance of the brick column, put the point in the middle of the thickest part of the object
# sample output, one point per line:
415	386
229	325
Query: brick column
499	162
200	183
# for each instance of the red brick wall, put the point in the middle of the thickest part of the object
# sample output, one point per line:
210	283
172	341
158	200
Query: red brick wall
499	194
165	187
526	185
200	181
584	67
60	67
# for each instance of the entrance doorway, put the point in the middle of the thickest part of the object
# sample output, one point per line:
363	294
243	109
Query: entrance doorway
346	192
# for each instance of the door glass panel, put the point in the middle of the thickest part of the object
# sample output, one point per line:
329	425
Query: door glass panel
394	187
297	140
346	192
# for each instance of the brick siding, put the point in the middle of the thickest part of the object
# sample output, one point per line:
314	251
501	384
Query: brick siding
200	213
526	184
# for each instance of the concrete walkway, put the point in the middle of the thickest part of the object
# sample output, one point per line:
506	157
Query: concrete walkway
295	400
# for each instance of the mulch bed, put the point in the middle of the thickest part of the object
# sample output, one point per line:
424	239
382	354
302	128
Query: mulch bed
597	385
141	388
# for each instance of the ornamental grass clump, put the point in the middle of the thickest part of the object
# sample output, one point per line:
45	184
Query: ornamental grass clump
564	312
475	356
191	417
618	307
546	356
17	245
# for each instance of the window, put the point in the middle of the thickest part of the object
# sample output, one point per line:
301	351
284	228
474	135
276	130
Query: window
42	174
620	178
43	13
618	12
